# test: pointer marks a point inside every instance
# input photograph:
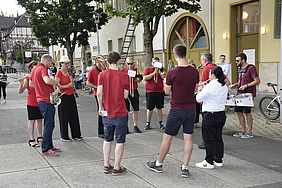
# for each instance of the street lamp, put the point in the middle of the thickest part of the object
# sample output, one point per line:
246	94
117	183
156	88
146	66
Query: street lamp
97	21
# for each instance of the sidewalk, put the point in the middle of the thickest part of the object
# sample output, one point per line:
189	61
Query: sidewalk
81	165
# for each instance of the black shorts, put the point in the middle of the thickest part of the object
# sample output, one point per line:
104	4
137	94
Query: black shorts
133	100
243	109
33	112
154	100
176	118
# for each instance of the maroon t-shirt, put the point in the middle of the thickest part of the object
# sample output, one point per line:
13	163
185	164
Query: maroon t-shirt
114	83
246	76
183	81
152	85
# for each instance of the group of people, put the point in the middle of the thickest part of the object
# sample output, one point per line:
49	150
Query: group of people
115	89
40	104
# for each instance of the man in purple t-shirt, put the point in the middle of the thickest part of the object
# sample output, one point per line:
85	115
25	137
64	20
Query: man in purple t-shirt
181	83
248	78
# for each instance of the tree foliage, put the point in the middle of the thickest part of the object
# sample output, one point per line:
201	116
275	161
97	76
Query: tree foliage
64	22
149	12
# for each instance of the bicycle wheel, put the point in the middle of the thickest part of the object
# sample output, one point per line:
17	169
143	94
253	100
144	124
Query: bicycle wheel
269	108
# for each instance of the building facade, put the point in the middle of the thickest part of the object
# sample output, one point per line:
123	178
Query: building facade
253	27
16	34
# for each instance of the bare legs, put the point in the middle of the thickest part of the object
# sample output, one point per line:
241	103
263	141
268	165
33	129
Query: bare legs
242	120
118	153
31	124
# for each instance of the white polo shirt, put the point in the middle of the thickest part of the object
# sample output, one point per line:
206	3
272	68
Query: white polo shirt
213	97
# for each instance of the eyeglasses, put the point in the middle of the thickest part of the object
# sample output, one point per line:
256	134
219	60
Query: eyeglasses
129	63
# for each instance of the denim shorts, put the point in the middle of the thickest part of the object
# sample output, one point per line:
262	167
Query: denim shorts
178	117
115	127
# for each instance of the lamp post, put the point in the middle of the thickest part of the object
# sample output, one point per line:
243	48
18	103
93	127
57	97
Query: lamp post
97	21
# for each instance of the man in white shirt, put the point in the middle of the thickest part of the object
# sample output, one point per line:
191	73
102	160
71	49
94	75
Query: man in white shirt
225	66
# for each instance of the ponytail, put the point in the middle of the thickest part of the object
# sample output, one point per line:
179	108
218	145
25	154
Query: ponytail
217	71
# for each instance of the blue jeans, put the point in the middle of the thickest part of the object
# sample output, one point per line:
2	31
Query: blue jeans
117	127
48	113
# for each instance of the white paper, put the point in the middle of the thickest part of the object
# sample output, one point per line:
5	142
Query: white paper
158	64
251	56
131	73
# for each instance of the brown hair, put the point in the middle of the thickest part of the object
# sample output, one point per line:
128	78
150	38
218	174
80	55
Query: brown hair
32	64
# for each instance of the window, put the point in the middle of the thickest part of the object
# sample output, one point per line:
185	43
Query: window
120	42
110	45
133	45
277	18
63	52
117	4
250	17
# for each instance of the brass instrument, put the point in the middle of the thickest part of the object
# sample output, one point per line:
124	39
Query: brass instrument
138	78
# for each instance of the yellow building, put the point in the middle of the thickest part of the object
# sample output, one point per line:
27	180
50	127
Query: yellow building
249	26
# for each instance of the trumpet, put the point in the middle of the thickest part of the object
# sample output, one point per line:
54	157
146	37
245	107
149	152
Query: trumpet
138	78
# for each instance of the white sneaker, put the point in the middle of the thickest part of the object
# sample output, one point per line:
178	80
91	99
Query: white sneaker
4	100
247	135
217	164
204	164
239	135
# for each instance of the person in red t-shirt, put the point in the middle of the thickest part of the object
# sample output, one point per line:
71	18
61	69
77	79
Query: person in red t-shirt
33	112
92	81
67	110
133	97
113	88
154	93
181	82
247	81
43	86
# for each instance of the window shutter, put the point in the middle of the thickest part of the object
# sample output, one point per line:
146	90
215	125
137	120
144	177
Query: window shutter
277	19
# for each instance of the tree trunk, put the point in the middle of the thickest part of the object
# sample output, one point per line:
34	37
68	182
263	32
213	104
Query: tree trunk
148	41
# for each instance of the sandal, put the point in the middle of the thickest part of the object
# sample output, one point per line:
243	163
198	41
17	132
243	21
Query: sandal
39	139
32	143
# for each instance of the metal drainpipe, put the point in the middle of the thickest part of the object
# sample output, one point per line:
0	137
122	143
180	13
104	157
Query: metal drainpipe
280	72
211	25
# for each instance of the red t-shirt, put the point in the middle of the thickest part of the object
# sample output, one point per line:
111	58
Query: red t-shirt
114	83
93	77
30	97
206	72
65	80
246	76
151	85
135	85
183	81
42	90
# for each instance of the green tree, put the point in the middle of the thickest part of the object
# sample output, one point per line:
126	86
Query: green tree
149	13
64	22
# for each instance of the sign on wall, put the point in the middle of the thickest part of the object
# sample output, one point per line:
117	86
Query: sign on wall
28	54
251	56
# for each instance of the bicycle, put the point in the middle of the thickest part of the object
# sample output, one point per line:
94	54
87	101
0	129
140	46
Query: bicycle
270	105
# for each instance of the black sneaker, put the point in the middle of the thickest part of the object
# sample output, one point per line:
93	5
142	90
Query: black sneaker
185	173
101	136
202	146
136	130
162	127
148	127
152	166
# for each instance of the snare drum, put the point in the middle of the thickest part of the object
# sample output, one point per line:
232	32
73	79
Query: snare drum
245	99
230	101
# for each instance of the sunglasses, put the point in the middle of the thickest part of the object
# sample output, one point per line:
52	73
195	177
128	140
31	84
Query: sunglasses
129	63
